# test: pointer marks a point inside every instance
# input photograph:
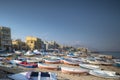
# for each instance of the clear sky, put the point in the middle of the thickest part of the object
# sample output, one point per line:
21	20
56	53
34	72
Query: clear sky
91	23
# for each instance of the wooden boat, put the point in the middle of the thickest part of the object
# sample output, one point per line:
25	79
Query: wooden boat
28	65
33	76
94	62
41	76
15	61
6	55
29	53
18	52
31	60
19	76
89	66
73	70
105	74
36	52
46	66
52	61
70	62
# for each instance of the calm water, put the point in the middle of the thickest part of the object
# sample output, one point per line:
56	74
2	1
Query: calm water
115	54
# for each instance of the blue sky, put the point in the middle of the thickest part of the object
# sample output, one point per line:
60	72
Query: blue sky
90	23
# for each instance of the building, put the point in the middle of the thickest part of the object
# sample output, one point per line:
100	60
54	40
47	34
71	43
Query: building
18	44
33	42
5	38
51	45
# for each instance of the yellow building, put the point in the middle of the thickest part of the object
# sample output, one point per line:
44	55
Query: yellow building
5	38
33	42
18	44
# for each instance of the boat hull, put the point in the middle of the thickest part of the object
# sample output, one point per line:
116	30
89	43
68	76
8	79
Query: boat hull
50	67
73	71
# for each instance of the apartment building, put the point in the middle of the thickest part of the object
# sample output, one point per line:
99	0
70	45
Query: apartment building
33	42
18	44
5	38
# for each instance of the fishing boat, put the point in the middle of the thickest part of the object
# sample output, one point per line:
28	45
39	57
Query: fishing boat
94	62
47	66
116	62
73	70
15	61
33	76
28	65
105	74
29	53
19	76
70	62
41	76
36	52
52	61
18	52
31	60
5	55
89	66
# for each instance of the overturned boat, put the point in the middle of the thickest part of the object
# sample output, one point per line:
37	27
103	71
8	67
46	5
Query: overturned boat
105	74
89	66
73	70
34	76
47	66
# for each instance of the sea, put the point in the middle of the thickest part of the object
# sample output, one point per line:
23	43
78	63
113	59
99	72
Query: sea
115	54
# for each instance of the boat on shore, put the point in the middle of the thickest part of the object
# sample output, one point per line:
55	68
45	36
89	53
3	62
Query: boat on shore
89	66
116	62
29	53
33	76
73	70
47	66
70	62
28	65
52	61
104	74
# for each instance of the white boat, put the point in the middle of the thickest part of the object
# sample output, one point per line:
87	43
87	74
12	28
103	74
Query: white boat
89	66
15	61
19	76
47	66
41	76
105	74
94	62
70	62
33	76
36	51
73	70
52	61
18	52
29	53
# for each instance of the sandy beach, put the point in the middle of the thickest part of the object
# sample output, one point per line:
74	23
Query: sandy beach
63	76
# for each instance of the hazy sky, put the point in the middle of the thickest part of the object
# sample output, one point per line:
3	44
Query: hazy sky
90	23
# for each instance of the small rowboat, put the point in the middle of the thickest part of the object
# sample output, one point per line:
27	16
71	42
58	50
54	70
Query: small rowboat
34	76
74	70
18	52
94	62
52	61
105	74
89	66
70	62
117	62
29	53
46	66
28	65
15	61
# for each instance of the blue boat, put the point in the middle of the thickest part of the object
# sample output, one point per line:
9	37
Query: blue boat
117	62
